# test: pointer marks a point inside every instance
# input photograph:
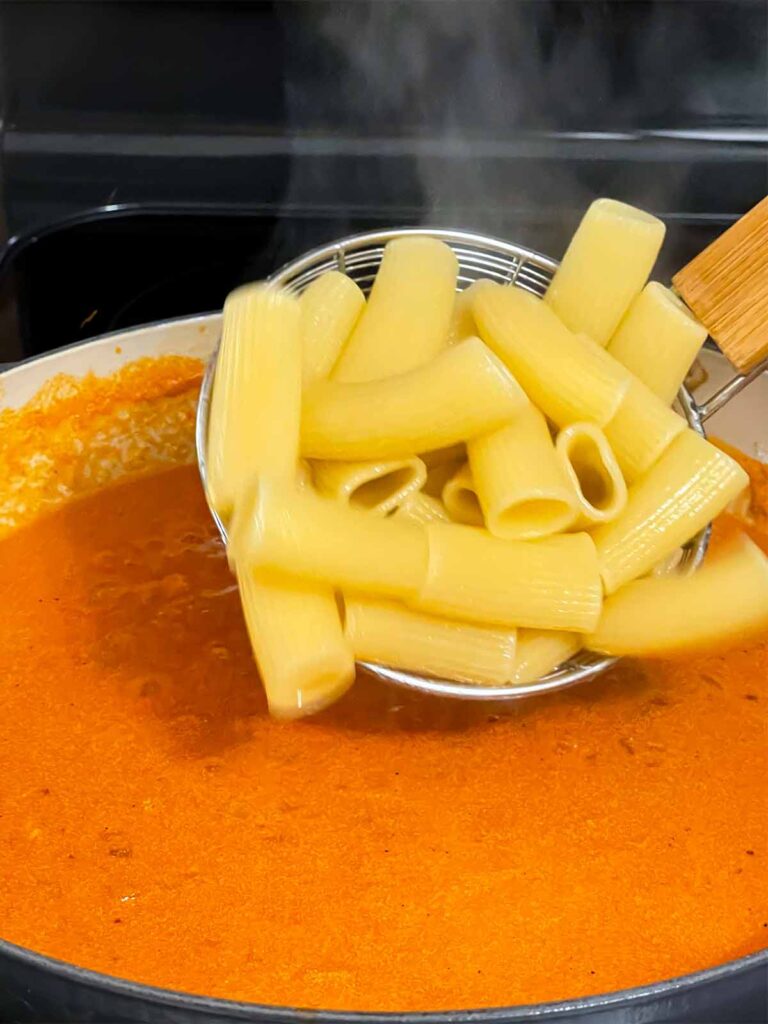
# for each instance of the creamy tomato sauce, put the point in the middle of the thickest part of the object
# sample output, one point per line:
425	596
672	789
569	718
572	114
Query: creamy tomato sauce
394	853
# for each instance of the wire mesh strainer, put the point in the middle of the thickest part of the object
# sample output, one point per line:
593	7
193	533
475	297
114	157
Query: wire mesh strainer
479	256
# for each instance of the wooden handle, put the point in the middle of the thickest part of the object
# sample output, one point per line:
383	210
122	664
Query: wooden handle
726	286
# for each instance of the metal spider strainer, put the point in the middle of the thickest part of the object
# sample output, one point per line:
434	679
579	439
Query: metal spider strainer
479	256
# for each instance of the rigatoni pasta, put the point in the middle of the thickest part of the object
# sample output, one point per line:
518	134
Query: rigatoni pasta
405	323
521	486
541	651
724	603
460	498
552	583
304	660
330	308
298	533
422	508
604	267
378	487
391	634
658	340
567	377
260	354
467	543
690	484
440	456
463	392
641	430
598	489
440	472
462	323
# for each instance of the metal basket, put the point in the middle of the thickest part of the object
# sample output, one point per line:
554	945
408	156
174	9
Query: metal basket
479	256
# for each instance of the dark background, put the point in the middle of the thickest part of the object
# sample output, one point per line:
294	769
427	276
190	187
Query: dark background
155	154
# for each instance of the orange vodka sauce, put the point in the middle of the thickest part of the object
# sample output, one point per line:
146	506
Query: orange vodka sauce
393	853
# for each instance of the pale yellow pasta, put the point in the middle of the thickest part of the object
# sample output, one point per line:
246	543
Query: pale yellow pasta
567	377
668	564
460	498
468	544
441	464
254	416
296	532
540	651
388	633
605	266
722	604
552	583
522	488
462	392
304	474
658	340
462	323
330	308
454	453
741	506
690	484
378	487
439	475
641	430
422	508
304	660
405	322
597	485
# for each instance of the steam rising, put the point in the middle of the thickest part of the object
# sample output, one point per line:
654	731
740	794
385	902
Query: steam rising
507	117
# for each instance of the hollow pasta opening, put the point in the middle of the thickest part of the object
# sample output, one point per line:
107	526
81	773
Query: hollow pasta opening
537	517
373	493
594	479
466	506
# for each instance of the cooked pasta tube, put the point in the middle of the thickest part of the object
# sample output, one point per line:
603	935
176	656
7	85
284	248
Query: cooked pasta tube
405	322
391	634
567	376
462	323
641	430
597	486
440	456
690	484
441	465
254	416
304	474
462	392
439	475
296	532
460	498
552	583
721	605
304	660
658	340
522	488
422	508
540	651
378	487
605	266
668	564
330	308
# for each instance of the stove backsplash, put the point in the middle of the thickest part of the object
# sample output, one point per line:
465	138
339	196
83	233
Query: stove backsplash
258	129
